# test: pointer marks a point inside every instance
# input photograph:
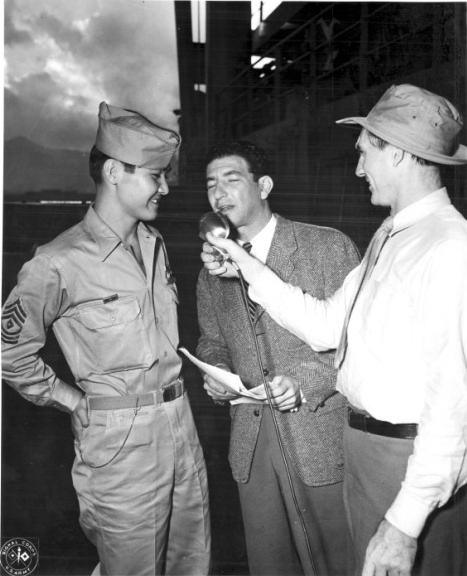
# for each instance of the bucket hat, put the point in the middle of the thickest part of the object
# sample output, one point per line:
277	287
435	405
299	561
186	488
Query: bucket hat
418	121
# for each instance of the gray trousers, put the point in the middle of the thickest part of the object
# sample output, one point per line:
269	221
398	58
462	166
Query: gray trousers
374	469
275	540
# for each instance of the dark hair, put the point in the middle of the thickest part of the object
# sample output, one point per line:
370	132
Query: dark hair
376	141
97	160
381	144
255	156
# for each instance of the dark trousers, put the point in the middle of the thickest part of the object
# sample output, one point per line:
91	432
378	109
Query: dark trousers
276	543
374	469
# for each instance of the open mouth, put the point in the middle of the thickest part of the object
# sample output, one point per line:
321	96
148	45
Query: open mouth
224	208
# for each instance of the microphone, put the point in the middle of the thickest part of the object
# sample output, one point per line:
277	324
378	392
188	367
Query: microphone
218	225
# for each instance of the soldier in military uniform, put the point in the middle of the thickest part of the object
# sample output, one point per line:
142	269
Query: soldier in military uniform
106	289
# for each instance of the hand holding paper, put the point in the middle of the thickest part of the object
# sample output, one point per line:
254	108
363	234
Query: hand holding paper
231	382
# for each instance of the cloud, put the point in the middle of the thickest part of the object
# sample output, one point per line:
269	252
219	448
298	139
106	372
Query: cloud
63	34
13	35
64	62
32	113
136	42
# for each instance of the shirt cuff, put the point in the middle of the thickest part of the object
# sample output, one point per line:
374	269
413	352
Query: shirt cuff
408	514
65	397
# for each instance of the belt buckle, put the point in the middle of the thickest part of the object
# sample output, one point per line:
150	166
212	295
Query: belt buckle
169	392
359	420
364	422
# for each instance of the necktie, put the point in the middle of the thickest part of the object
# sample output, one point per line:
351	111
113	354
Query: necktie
251	305
368	264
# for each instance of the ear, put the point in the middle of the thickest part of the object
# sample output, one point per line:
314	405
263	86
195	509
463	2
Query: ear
397	156
266	184
111	170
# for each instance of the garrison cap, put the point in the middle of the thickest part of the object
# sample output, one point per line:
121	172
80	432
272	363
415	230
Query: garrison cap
131	138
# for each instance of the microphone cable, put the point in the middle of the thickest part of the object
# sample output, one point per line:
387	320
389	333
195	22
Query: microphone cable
274	417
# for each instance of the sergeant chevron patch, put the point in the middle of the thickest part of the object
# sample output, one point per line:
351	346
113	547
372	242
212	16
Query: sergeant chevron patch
13	319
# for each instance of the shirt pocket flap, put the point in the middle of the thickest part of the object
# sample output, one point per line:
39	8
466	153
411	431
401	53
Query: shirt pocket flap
110	314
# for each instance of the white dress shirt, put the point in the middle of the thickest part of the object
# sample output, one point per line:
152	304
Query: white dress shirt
261	243
407	345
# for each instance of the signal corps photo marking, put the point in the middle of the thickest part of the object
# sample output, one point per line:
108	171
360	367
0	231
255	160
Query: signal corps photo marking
18	557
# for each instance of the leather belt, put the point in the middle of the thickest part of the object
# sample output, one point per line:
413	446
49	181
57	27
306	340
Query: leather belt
167	394
382	428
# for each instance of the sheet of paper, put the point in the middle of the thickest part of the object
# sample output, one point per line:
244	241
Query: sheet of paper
246	400
231	382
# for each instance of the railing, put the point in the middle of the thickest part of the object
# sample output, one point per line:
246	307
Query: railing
326	58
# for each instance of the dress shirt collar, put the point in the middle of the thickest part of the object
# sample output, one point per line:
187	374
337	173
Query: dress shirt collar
106	239
261	243
420	209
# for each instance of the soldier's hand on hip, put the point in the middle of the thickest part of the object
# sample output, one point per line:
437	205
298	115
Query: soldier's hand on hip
81	412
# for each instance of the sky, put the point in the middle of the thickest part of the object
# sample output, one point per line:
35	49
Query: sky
62	58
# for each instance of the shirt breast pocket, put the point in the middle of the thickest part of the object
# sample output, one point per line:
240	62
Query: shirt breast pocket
113	336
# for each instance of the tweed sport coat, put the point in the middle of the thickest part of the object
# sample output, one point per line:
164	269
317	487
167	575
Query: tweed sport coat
317	259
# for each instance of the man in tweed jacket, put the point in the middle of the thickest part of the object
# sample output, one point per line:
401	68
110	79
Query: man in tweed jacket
317	259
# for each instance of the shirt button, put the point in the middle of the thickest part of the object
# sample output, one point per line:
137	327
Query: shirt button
266	372
256	412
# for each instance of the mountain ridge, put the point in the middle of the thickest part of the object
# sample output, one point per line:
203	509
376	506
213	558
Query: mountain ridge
31	167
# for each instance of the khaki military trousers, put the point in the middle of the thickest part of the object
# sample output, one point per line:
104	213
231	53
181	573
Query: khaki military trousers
142	487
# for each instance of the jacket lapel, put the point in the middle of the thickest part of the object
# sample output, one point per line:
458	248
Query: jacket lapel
281	259
233	302
283	252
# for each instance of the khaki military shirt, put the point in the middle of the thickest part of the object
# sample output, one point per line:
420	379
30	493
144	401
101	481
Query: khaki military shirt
116	324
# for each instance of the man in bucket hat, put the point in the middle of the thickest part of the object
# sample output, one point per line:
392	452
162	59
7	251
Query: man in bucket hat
399	324
106	288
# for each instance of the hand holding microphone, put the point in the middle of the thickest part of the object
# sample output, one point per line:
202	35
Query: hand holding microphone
249	266
214	223
221	256
215	259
